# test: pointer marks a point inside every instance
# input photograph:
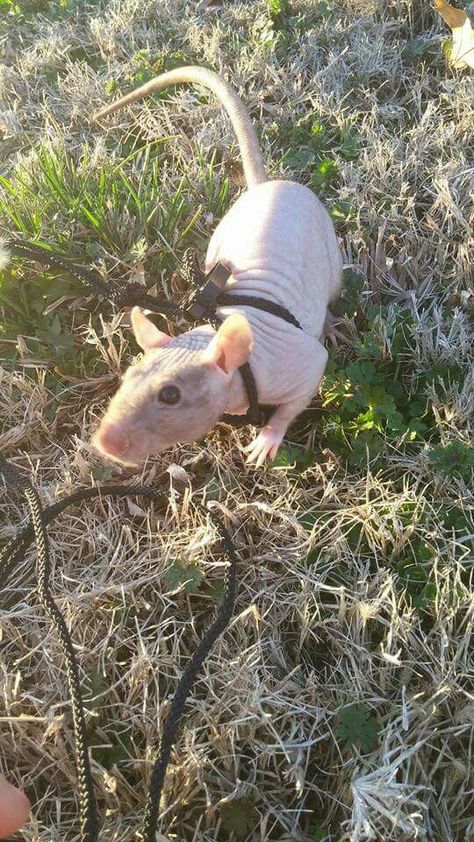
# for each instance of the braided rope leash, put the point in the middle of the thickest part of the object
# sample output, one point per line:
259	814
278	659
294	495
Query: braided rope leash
127	294
14	553
206	296
87	806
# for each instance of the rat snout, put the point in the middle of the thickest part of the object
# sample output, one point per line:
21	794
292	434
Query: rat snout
112	440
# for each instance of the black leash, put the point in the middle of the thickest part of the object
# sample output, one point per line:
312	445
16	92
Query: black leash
205	295
126	295
14	553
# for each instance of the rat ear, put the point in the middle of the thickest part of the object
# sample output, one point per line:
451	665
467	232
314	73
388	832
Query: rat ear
231	345
146	333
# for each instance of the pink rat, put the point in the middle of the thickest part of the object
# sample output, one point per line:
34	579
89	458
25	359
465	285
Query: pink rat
279	243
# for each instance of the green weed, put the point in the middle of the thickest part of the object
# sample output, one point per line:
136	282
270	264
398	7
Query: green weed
148	65
293	458
280	12
186	576
239	816
286	25
415	582
358	728
27	11
454	459
371	401
319	832
312	147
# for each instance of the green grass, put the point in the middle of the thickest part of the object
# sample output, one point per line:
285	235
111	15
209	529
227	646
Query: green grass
65	199
93	215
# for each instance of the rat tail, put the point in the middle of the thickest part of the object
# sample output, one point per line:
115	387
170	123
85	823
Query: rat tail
238	114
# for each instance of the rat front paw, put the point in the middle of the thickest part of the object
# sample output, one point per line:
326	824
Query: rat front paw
266	444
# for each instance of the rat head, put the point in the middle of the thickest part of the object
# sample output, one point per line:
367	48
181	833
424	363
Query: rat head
176	393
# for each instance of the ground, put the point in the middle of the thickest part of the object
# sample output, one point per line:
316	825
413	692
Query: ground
337	706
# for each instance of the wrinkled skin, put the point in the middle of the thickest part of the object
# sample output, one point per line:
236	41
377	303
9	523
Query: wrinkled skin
279	244
138	423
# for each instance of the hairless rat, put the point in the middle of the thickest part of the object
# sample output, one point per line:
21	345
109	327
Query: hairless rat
279	243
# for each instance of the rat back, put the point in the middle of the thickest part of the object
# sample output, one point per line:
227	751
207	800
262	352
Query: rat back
280	243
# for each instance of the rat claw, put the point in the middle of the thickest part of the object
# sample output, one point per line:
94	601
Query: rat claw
266	444
253	453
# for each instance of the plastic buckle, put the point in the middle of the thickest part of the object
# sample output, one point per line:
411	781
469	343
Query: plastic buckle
204	300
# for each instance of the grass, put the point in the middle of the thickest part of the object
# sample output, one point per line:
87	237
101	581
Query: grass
338	705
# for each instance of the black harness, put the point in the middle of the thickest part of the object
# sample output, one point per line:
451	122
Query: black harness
206	297
206	294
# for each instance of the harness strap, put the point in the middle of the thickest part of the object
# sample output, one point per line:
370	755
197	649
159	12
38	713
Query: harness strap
258	414
206	296
230	299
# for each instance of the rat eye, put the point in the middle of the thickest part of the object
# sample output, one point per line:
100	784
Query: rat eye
169	395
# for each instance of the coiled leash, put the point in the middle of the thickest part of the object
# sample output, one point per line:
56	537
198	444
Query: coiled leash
205	296
14	553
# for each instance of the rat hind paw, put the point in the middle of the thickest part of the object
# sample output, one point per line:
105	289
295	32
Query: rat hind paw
331	332
266	444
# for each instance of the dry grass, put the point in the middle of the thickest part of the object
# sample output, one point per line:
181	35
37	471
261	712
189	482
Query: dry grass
323	619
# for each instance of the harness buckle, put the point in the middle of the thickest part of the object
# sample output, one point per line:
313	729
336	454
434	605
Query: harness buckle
204	300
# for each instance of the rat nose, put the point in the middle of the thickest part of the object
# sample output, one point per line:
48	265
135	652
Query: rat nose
112	440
